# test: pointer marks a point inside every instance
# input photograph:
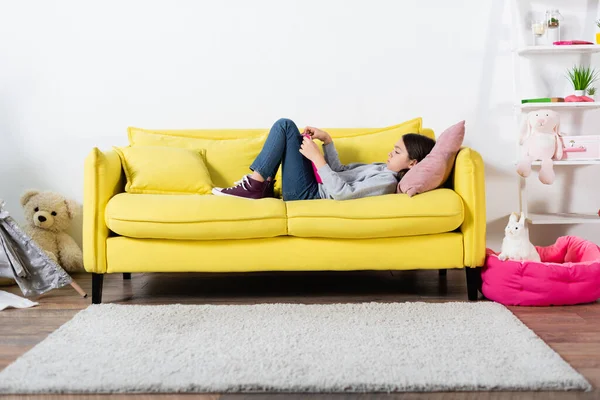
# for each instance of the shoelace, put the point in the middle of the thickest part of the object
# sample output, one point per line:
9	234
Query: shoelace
242	182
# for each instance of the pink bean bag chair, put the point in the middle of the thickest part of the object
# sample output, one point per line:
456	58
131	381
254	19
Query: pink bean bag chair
569	273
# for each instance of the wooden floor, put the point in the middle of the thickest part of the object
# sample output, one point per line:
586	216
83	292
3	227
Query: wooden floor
574	332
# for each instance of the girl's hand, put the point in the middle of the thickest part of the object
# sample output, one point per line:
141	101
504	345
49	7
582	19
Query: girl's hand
316	133
310	150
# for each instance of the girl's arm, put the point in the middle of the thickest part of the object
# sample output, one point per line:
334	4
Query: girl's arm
329	151
333	160
339	189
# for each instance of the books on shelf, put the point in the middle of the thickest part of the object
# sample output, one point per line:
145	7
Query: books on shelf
544	100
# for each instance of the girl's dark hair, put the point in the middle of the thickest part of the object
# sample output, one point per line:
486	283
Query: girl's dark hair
417	147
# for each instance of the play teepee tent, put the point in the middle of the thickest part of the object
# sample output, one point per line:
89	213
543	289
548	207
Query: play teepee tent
22	260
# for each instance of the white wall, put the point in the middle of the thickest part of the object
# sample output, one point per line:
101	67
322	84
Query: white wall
75	74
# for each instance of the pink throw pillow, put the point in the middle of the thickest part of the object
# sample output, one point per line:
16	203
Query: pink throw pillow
435	168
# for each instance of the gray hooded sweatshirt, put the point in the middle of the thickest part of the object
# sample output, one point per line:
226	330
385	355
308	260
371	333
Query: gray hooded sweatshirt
355	180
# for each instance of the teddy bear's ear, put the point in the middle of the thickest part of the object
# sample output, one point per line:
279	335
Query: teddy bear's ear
71	208
28	195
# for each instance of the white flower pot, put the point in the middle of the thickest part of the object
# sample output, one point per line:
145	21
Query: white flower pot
580	93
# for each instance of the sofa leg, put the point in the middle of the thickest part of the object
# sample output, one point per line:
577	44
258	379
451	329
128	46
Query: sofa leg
473	282
97	281
127	275
443	272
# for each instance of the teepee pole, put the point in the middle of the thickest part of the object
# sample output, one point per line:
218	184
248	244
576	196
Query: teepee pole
78	288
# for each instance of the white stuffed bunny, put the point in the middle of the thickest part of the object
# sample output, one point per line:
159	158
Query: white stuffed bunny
516	244
541	135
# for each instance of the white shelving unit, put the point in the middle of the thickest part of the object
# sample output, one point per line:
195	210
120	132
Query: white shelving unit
555	50
520	52
562	218
564	106
571	162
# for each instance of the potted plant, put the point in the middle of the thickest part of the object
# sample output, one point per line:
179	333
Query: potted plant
581	78
598	33
591	91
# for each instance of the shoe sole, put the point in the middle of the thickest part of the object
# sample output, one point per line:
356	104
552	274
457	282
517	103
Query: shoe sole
217	192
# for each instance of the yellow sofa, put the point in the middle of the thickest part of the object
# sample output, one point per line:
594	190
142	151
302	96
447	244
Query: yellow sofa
129	233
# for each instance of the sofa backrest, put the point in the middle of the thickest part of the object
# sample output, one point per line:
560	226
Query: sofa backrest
229	152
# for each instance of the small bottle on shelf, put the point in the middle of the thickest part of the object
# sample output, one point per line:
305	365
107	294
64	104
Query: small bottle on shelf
553	18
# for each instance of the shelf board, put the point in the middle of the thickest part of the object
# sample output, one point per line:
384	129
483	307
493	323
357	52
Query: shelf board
568	49
571	162
563	218
563	105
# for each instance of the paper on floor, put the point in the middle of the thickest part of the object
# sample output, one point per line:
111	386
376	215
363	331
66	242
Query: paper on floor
12	300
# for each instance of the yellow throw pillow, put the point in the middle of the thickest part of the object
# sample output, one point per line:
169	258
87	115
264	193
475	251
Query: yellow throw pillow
372	144
165	170
229	152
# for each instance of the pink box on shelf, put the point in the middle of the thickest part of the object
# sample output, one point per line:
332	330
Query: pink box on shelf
585	147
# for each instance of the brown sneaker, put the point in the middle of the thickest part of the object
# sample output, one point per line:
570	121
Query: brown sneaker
246	187
270	188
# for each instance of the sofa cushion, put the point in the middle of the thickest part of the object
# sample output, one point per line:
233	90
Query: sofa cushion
372	144
393	215
164	170
435	168
194	217
229	153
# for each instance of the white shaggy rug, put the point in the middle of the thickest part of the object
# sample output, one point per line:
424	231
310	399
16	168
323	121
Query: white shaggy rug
364	347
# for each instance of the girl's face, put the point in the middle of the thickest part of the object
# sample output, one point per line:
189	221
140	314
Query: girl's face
398	158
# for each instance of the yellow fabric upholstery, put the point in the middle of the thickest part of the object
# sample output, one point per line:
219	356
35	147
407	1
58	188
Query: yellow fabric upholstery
393	215
164	170
427	132
126	232
103	179
213	217
469	178
194	217
367	146
229	153
284	254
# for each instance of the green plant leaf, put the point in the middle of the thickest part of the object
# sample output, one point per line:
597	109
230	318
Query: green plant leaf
582	77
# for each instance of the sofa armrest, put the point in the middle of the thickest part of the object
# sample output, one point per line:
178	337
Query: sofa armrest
103	178
469	183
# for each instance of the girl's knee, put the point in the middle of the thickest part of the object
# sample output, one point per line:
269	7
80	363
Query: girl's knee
285	122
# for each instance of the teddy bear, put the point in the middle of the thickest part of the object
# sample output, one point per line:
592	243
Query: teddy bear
48	215
541	139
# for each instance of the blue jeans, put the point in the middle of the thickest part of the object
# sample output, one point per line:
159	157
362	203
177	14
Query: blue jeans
282	147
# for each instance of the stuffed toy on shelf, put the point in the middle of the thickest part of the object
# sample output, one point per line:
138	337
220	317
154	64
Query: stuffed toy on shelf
541	141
